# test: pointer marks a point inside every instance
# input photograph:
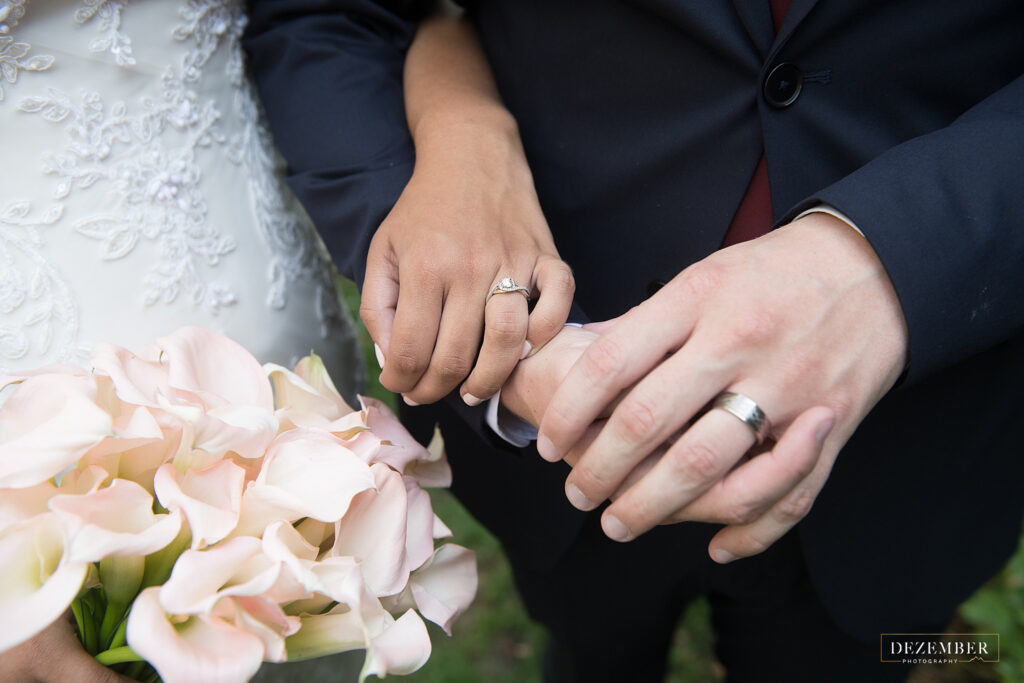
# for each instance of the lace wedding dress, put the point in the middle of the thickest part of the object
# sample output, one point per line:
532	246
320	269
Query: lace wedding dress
139	190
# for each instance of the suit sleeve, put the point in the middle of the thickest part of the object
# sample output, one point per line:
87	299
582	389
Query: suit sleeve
329	74
944	212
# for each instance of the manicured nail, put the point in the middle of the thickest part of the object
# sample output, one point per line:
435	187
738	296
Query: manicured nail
527	347
577	498
547	449
409	401
380	356
472	400
614	529
722	556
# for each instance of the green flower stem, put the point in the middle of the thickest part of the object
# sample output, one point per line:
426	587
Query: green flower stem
159	564
76	609
113	617
119	638
89	626
118	655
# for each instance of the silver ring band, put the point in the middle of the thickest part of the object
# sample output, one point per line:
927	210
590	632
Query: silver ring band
747	410
504	286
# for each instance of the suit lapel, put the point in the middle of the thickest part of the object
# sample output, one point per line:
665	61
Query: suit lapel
798	11
756	18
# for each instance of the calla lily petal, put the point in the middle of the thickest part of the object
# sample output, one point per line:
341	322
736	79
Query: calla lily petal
17	505
37	582
401	451
192	649
117	520
373	531
216	369
445	586
56	420
265	619
302	405
236	567
419	527
210	499
400	649
305	473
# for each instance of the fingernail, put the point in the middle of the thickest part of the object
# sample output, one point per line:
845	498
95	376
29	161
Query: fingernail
547	449
527	347
472	400
614	529
409	401
577	498
722	556
824	429
380	356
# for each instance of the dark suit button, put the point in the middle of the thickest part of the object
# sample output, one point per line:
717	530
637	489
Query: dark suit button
783	85
653	286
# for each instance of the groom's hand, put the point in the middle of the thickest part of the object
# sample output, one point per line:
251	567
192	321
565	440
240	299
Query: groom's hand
803	320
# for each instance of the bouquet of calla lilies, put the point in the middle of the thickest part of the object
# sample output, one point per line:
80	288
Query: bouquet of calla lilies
200	513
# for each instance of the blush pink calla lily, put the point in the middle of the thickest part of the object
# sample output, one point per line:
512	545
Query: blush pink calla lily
210	499
219	371
194	648
305	473
37	580
373	531
114	521
314	403
47	423
236	567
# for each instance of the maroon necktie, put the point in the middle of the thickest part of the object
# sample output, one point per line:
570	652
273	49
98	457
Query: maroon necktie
754	216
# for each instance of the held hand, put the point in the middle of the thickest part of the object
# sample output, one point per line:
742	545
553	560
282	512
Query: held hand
52	656
468	218
803	320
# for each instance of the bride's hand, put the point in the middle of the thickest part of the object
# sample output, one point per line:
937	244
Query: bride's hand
53	655
468	218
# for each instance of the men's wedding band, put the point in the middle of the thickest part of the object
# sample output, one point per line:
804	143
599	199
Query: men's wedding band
746	410
504	286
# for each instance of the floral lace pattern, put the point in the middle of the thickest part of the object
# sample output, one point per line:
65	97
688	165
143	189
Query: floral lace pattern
145	155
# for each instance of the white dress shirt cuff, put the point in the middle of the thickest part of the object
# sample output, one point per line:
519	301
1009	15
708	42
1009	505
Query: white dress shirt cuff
831	211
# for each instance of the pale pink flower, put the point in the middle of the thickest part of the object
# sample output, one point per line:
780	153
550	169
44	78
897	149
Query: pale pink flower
444	587
18	505
192	648
117	520
210	499
217	370
47	423
373	531
308	398
200	578
37	579
305	473
389	442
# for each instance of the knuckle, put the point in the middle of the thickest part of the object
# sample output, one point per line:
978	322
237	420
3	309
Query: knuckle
795	506
451	368
696	461
562	278
752	328
604	358
505	327
741	514
406	360
637	420
700	279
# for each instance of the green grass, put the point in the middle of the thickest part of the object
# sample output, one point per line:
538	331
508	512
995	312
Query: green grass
495	641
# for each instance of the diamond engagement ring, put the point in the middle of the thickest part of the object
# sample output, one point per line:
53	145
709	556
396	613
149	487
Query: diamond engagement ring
746	410
504	286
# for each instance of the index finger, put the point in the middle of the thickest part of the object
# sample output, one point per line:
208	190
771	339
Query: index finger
618	358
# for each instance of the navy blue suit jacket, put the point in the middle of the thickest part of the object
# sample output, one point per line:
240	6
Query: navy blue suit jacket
643	121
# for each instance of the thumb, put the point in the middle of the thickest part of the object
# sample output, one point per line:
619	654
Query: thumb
379	300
